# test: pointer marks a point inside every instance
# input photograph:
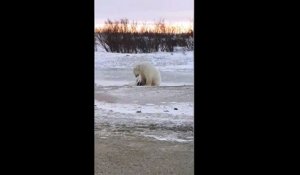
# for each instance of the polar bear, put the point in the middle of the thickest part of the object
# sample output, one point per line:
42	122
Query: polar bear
146	74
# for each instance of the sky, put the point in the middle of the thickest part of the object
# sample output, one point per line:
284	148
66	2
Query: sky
144	10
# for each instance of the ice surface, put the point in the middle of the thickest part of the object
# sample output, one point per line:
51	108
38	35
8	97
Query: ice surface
117	68
166	121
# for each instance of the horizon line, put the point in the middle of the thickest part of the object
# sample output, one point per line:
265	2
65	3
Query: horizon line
148	22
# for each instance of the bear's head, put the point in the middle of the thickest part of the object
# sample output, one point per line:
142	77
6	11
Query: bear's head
136	70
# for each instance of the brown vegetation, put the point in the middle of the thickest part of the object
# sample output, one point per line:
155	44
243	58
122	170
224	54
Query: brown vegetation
124	37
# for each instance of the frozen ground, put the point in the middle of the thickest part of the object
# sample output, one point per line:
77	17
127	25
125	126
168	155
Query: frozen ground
115	69
144	130
118	103
163	113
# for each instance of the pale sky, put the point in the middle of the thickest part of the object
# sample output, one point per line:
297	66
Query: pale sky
144	10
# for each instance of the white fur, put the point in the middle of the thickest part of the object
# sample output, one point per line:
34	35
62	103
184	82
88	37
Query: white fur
146	72
138	79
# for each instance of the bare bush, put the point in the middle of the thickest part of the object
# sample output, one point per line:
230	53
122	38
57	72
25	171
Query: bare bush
123	37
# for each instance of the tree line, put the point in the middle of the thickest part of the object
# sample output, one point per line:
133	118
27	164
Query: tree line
123	37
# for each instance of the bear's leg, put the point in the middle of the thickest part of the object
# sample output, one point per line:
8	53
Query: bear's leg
148	82
138	84
140	81
155	83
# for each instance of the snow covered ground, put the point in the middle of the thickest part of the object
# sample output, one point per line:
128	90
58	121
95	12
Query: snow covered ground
115	69
163	113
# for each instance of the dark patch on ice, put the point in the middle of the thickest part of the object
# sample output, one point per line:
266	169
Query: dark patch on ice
153	126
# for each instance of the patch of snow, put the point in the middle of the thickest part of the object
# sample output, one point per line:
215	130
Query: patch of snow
182	108
168	138
162	60
115	69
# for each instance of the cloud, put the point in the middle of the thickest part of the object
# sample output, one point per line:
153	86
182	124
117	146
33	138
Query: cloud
143	10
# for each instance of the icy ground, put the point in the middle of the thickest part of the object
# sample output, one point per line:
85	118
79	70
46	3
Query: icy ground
115	69
163	113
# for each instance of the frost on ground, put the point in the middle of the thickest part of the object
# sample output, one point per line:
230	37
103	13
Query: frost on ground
163	113
115	69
